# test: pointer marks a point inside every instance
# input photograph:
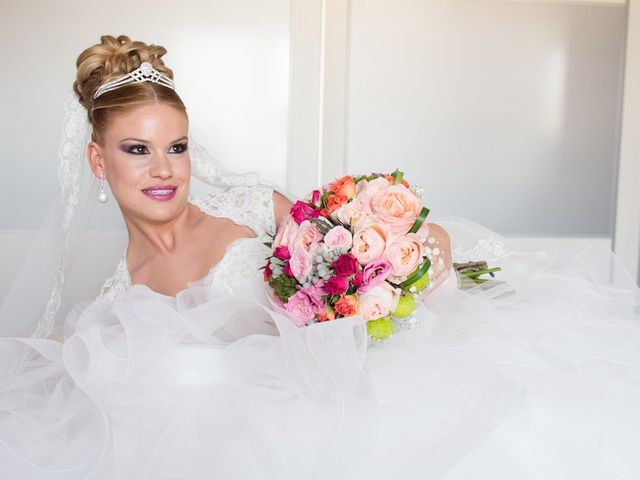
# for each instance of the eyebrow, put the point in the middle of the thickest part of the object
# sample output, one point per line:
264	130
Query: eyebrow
147	141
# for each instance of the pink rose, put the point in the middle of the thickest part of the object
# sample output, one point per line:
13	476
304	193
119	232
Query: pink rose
345	265
282	252
287	232
300	264
300	212
378	302
266	274
405	254
287	270
396	206
337	285
351	213
315	294
369	243
315	198
338	237
300	307
308	236
373	275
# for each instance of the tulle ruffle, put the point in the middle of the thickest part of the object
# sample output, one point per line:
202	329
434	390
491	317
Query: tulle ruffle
537	376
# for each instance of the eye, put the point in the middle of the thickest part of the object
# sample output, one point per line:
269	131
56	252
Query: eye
178	148
138	149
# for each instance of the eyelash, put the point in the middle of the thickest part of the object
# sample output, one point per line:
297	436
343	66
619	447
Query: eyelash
134	149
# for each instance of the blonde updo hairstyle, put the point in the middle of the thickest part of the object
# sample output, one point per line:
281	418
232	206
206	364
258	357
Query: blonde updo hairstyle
113	58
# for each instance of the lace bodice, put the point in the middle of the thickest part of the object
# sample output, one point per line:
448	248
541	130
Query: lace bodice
249	206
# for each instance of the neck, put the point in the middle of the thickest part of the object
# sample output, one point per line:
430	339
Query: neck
147	240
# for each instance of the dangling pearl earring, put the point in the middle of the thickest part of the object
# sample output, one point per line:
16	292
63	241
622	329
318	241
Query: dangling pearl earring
102	195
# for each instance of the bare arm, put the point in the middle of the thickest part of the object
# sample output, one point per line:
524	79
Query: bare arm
281	207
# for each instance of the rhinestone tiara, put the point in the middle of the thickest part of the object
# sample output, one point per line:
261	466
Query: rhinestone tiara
144	73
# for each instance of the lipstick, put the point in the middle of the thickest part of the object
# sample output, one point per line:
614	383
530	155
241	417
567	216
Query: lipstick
161	193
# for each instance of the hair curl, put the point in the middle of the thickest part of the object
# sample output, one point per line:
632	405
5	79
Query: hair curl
113	58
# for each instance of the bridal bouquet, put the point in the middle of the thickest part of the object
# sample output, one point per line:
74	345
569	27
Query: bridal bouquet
358	246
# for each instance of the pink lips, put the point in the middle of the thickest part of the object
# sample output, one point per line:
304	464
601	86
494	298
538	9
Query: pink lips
161	193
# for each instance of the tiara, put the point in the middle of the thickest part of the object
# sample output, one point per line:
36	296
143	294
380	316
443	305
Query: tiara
144	73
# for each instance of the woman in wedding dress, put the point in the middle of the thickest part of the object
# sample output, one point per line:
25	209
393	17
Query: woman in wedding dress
180	369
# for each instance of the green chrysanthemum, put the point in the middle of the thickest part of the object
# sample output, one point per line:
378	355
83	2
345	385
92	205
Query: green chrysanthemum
406	306
381	328
419	284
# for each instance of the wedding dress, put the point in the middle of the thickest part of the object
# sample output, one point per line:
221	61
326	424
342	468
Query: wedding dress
536	376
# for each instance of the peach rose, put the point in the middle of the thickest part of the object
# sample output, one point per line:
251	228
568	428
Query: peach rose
307	237
369	243
404	254
397	207
344	186
366	190
378	302
335	201
287	233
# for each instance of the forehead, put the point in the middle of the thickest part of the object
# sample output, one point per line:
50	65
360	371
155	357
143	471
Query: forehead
149	122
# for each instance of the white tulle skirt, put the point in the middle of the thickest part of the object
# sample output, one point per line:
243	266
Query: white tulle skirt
536	377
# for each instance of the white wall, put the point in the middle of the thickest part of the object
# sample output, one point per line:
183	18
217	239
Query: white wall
506	112
627	233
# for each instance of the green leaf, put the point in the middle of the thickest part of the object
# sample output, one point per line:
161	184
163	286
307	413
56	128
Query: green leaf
417	275
398	176
420	220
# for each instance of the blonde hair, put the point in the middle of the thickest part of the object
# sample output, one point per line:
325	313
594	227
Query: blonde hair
110	59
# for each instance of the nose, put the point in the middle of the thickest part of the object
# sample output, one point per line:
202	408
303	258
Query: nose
160	166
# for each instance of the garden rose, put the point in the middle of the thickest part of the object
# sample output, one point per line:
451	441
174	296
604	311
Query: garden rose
338	237
367	189
307	237
337	285
373	275
397	207
345	265
287	232
346	306
369	243
378	301
405	254
301	308
344	186
350	213
300	264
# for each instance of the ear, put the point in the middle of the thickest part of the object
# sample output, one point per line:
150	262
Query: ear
96	159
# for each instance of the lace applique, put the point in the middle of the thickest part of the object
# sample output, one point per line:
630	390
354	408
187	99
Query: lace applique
117	284
249	206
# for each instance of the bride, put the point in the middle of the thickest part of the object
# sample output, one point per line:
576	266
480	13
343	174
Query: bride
180	369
